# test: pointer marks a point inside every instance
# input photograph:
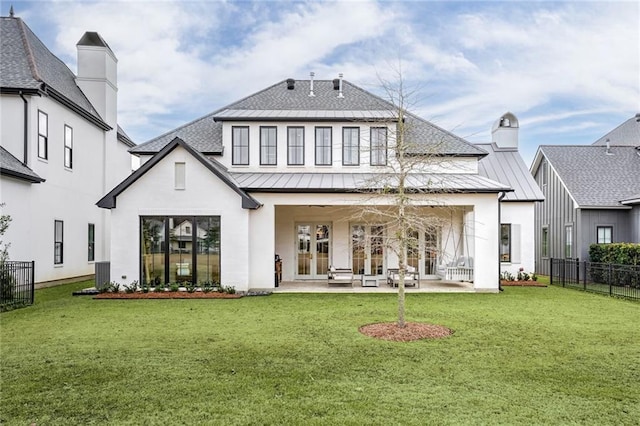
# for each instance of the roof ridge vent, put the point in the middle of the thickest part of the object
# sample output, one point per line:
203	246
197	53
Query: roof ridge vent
291	84
311	94
608	149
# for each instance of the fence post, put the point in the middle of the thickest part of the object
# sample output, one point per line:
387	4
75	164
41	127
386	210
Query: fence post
33	280
578	270
609	278
551	271
584	275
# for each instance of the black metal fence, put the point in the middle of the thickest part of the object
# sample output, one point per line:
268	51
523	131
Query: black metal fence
16	284
605	278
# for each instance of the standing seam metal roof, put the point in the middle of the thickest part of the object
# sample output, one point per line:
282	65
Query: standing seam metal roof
508	167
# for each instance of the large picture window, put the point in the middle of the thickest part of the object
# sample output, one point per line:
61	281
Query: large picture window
295	146
323	146
240	146
268	146
180	249
378	146
350	146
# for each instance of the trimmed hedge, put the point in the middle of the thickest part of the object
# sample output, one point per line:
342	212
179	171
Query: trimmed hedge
618	253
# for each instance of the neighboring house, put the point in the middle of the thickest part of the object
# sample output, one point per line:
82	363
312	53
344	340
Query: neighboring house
285	172
592	195
61	150
504	164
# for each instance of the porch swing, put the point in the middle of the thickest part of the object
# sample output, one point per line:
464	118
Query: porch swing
461	267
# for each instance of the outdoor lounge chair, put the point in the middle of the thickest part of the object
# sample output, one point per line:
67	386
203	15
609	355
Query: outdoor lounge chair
411	277
339	276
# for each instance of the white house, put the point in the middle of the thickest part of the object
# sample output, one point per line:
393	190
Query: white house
61	150
288	171
517	208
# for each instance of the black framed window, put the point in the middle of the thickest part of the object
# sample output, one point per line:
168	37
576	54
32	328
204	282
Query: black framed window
268	146
91	251
350	146
295	146
604	234
505	242
240	145
179	249
43	135
68	147
378	146
323	146
58	242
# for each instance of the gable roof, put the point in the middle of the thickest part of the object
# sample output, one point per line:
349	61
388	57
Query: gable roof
628	133
277	102
109	200
593	177
26	65
505	165
11	166
124	138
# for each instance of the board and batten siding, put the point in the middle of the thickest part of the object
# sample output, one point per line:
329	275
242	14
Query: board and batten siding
555	212
591	219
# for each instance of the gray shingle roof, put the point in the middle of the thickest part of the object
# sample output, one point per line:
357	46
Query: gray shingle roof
352	182
26	63
508	167
124	137
628	133
593	178
206	136
11	166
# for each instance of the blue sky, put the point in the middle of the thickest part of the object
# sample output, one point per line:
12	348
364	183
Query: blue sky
570	71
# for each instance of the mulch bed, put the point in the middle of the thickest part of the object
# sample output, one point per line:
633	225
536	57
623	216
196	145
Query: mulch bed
168	295
412	331
521	284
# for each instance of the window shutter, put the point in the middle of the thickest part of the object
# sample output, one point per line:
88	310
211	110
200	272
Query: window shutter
516	243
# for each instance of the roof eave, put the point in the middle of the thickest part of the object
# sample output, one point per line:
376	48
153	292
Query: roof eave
76	108
21	176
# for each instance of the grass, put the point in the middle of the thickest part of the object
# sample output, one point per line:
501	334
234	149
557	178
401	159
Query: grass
525	356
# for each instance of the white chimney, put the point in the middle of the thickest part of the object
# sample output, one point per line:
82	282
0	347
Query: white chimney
98	75
504	132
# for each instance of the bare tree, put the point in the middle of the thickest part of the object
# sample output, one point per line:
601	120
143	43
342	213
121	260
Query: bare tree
398	199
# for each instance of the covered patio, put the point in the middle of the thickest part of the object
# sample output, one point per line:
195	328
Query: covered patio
321	286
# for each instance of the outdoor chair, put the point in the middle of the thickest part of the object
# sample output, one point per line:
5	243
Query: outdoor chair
411	277
339	276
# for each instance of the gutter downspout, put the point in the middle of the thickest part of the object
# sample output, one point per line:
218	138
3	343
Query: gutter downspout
26	127
500	198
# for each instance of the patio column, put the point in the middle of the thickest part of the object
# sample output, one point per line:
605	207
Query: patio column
486	243
262	247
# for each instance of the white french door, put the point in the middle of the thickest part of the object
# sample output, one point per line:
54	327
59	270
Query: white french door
367	250
313	250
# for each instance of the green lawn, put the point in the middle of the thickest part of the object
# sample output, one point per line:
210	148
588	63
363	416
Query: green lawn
525	356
